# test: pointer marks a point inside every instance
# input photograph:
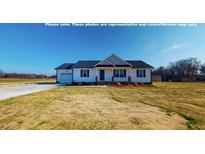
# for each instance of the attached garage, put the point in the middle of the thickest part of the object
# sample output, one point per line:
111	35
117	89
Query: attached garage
64	74
65	78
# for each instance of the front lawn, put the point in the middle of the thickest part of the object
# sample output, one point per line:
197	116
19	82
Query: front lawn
12	82
161	106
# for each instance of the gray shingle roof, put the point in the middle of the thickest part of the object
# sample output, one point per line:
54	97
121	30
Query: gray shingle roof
139	64
92	63
85	63
65	66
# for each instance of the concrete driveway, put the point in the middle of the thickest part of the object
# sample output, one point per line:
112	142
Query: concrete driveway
8	92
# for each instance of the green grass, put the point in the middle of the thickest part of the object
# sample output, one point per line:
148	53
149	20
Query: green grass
160	106
11	82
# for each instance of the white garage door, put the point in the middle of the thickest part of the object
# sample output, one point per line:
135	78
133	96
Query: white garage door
66	78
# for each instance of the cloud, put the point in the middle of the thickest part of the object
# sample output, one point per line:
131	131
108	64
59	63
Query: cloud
173	47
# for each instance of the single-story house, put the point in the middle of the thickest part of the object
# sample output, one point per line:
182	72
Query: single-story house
111	69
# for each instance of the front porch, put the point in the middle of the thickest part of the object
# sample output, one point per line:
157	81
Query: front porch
112	74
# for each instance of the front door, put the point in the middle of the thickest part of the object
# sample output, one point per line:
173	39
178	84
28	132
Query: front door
102	75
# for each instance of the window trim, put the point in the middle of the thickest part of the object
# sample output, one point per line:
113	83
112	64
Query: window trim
120	73
141	73
84	73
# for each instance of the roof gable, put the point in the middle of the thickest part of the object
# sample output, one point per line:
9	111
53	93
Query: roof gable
113	60
104	62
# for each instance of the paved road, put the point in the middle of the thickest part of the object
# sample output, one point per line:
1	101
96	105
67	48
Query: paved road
8	92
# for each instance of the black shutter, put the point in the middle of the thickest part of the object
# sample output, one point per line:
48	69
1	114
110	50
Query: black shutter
137	73
125	73
88	73
114	73
144	73
81	73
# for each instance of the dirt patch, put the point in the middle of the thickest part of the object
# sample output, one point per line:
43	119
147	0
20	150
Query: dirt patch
100	112
85	108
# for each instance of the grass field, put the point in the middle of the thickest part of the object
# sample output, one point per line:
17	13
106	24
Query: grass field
161	106
12	82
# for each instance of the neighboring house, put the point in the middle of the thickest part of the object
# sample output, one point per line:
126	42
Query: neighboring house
111	69
156	77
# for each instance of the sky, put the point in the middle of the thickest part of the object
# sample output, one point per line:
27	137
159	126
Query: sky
37	48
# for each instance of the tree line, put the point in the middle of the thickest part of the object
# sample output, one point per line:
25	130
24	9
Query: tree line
190	69
24	76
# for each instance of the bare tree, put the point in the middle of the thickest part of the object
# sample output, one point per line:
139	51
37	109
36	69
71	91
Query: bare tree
160	70
202	69
1	72
185	69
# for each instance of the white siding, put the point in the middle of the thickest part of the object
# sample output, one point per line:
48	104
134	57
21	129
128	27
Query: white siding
134	78
108	74
129	72
121	79
77	76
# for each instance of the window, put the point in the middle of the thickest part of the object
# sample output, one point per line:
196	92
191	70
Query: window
119	73
84	73
141	74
